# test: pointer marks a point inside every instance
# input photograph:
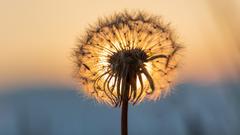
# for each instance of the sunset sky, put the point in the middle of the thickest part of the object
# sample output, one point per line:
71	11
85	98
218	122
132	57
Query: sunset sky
37	37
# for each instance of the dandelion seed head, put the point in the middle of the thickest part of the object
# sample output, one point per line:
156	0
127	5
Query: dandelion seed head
132	45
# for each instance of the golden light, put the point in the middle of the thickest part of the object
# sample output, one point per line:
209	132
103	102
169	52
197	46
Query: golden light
127	44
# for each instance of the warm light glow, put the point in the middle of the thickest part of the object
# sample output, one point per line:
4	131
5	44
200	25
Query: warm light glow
104	62
37	37
133	47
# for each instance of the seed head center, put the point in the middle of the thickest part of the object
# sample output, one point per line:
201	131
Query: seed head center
127	60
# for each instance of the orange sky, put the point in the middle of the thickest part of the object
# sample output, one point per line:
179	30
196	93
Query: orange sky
36	37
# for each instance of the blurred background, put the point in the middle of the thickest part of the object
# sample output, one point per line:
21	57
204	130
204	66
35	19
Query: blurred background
38	95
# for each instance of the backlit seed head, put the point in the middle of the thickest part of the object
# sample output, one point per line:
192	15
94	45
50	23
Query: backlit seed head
134	48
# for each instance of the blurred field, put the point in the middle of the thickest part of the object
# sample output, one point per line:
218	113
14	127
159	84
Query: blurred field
190	110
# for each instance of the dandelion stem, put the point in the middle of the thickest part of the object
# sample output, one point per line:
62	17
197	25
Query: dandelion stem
124	122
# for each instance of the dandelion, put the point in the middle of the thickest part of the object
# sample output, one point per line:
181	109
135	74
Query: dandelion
127	58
